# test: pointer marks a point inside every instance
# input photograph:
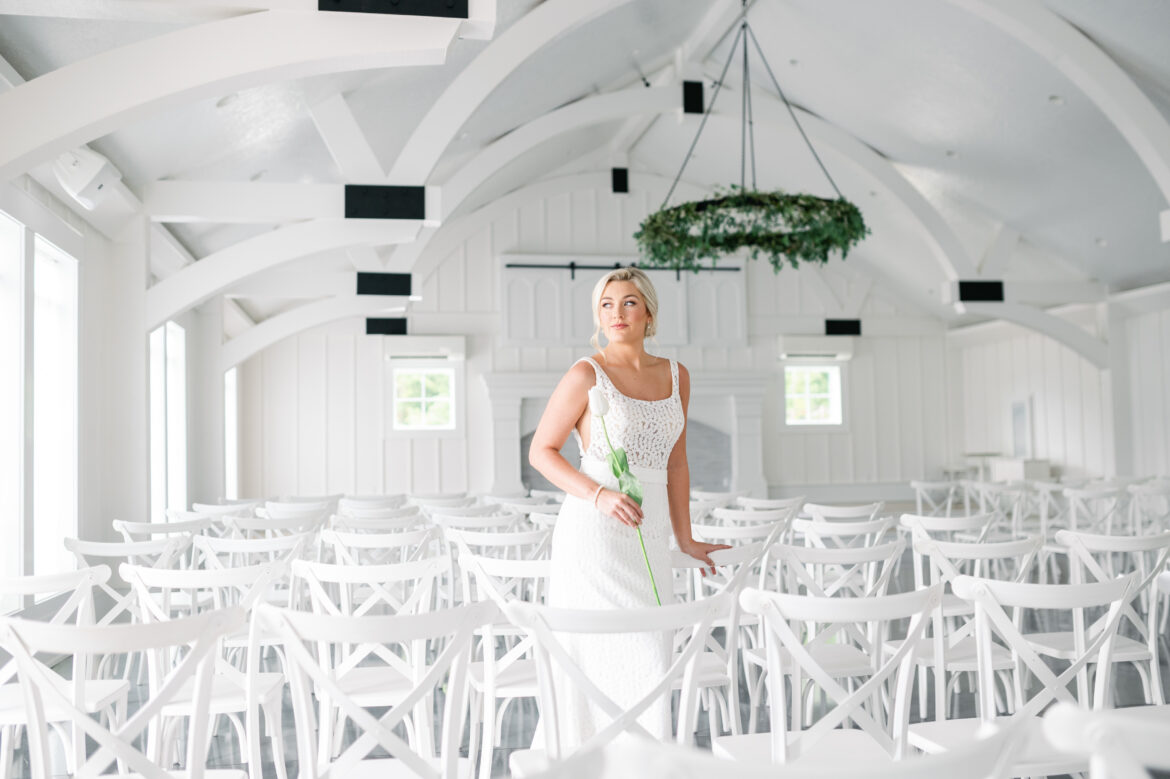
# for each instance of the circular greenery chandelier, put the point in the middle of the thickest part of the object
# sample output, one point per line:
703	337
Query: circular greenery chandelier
783	227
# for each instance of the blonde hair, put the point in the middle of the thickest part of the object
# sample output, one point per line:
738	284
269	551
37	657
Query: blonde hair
645	288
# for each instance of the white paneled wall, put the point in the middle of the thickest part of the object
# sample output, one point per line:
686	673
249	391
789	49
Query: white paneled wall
312	407
1071	416
1148	342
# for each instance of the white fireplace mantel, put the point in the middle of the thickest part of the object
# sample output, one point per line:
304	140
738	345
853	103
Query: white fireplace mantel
745	390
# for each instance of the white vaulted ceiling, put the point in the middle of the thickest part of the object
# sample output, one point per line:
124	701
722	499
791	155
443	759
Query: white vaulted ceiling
948	123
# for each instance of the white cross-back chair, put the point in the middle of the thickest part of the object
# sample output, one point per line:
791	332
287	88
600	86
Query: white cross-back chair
717	499
1095	557
526	544
350	548
168	594
353	503
770	504
146	531
935	498
744	516
486	517
949	652
857	533
96	696
158	553
982	758
423	655
506	670
392	521
551	628
543	520
1097	509
273	527
198	636
449	500
1149	507
1118	744
879	735
855	572
843	513
1001	611
227	508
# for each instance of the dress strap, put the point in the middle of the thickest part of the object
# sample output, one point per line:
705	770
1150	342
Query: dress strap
673	378
599	373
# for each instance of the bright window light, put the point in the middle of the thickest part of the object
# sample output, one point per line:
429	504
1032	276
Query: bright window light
812	395
424	399
231	435
11	408
168	420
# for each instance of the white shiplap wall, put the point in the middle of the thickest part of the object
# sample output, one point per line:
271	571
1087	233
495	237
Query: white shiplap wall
1071	413
1147	338
312	406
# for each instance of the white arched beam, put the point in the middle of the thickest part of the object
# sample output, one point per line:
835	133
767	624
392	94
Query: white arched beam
1080	341
67	107
271	331
213	274
945	247
1096	74
470	88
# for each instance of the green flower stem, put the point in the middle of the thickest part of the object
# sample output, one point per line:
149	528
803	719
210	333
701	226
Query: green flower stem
648	568
646	557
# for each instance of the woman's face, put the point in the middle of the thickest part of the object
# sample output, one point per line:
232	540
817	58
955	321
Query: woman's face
622	312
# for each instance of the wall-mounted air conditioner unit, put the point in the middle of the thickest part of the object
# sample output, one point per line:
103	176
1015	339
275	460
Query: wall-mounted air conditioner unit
816	347
426	347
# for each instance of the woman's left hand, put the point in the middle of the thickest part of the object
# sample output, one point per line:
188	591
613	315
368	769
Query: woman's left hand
701	550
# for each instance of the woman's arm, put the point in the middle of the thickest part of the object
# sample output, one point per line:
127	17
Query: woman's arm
678	486
569	402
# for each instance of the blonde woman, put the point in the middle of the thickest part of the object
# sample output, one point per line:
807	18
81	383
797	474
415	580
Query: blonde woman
597	560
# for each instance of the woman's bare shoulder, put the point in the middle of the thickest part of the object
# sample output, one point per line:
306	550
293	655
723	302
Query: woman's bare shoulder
580	374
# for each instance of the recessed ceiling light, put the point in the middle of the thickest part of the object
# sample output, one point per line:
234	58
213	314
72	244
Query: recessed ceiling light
227	100
1056	99
1100	242
257	175
794	62
952	153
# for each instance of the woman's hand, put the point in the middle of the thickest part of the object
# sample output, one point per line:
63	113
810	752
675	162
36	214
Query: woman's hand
620	506
701	550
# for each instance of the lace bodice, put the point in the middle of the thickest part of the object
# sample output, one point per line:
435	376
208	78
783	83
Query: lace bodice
647	429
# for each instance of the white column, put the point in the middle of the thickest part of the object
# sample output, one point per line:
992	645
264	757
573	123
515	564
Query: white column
1116	383
117	314
205	453
506	444
747	444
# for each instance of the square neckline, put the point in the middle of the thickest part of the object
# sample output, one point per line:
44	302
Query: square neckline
673	383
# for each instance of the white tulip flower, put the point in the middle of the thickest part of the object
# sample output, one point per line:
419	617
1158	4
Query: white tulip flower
597	402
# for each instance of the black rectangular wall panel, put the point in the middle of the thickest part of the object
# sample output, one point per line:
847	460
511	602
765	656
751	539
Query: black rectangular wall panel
692	97
981	291
371	201
450	9
621	180
386	326
383	283
842	327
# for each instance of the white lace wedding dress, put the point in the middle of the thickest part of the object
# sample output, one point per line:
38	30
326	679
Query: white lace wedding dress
597	563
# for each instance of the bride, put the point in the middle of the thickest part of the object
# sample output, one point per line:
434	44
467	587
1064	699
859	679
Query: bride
597	560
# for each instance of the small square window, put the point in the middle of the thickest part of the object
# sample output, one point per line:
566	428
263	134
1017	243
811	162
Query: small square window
424	399
812	395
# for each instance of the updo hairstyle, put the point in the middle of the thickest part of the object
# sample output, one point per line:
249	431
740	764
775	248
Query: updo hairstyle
645	289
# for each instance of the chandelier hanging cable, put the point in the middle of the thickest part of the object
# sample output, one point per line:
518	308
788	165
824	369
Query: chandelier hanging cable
783	227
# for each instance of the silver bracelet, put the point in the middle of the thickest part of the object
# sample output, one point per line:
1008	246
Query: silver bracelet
597	493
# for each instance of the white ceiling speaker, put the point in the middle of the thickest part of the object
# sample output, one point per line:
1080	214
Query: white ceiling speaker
86	175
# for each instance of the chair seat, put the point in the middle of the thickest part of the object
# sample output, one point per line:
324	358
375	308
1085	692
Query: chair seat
227	696
836	753
960	657
99	694
1035	755
528	762
838	660
518	680
710	671
1060	645
390	768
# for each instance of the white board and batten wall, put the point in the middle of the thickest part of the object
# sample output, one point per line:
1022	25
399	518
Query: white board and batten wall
314	408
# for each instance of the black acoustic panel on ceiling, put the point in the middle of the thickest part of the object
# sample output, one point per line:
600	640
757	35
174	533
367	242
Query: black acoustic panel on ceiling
383	283
692	97
372	201
451	9
386	326
842	327
621	180
981	291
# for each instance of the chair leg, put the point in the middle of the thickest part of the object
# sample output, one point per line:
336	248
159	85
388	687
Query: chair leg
274	724
488	734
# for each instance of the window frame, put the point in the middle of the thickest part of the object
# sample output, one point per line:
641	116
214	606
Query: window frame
458	391
814	428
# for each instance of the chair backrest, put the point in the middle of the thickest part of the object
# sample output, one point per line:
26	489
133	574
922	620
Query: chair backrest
157	553
973	526
167	594
726	516
717	498
850	619
1149	506
272	527
427	654
1096	509
736	534
853	572
553	628
934	498
357	590
509	544
446	501
198	637
501	579
486	521
235	552
243	508
817	532
1119	743
377	512
352	503
993	600
768	504
380	548
857	512
382	524
543	520
552	496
